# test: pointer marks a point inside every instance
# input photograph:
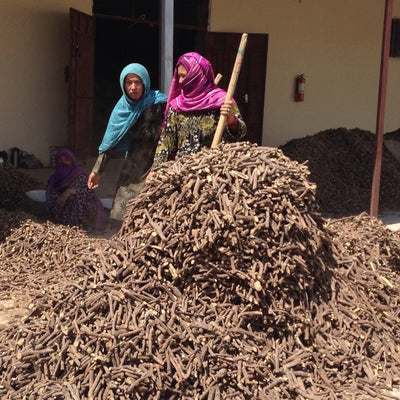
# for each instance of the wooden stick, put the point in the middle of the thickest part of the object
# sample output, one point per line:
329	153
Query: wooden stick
217	79
231	89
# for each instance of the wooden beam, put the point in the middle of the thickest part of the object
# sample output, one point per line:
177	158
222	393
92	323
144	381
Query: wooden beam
374	206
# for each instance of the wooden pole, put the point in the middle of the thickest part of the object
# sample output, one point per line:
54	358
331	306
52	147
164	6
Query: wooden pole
381	109
217	79
231	89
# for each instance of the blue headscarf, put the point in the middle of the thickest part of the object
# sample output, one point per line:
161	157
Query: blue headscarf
126	112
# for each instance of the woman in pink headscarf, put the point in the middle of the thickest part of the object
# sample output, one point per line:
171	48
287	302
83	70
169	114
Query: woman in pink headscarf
193	109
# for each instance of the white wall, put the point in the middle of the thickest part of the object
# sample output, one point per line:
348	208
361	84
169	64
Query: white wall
336	44
34	45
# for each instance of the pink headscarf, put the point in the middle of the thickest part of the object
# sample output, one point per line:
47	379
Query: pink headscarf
198	91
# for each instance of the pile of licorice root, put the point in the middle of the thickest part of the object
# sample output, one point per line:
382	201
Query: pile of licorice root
224	282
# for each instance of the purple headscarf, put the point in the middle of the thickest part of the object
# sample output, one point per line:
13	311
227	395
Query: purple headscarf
63	177
64	174
198	91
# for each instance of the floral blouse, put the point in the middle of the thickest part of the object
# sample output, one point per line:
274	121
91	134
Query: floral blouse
78	210
187	133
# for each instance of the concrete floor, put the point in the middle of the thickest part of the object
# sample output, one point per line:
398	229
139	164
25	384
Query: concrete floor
391	219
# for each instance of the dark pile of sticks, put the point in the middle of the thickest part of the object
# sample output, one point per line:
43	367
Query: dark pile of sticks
240	216
221	284
341	162
35	253
10	220
392	135
14	184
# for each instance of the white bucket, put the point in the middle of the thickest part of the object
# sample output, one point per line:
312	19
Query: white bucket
37	195
107	202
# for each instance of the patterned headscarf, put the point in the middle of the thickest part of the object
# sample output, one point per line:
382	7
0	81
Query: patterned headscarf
198	91
127	111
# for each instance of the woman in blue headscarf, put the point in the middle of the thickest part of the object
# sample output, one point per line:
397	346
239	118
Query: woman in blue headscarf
134	129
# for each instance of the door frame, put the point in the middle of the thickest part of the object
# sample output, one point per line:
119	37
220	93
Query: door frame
81	83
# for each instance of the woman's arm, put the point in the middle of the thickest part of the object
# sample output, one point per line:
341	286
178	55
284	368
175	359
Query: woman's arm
98	168
70	191
235	126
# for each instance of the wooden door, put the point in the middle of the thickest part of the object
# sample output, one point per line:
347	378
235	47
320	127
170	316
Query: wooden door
80	116
221	50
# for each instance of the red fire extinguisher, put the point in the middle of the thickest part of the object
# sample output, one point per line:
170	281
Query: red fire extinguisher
299	89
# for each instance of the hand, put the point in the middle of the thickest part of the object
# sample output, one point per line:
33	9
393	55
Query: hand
93	180
150	176
228	111
63	198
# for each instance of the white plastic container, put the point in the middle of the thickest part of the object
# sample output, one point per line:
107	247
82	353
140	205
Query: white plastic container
107	202
37	195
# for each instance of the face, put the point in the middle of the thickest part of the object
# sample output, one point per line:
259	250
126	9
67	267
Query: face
134	87
65	160
182	72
